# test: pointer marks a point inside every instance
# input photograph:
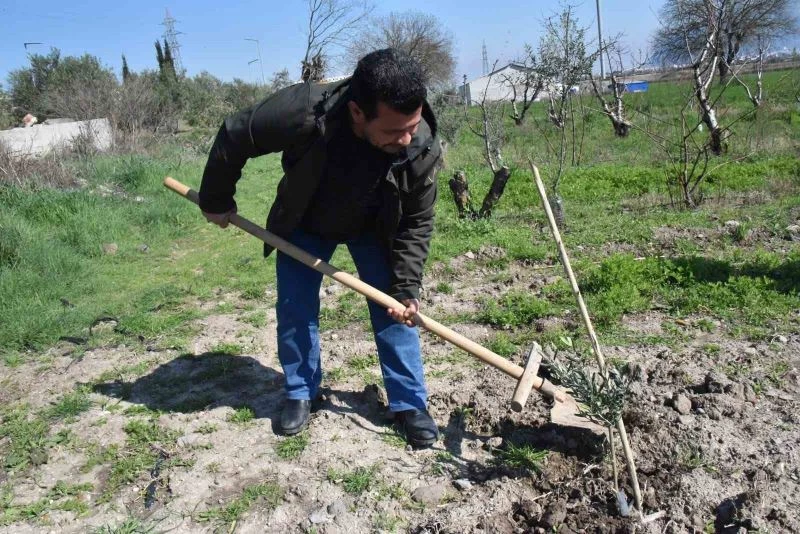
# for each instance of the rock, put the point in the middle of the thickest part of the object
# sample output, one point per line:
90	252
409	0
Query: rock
554	515
781	339
375	396
497	524
110	248
461	397
735	390
681	403
469	255
494	443
793	232
530	510
319	517
430	494
726	511
686	420
337	508
715	382
732	226
462	484
751	351
636	371
143	248
188	440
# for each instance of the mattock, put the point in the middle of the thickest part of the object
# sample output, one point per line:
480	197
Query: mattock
527	378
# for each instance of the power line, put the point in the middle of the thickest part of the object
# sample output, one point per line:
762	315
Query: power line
171	37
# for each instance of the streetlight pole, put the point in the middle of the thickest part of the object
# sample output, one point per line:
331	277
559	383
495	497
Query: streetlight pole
258	45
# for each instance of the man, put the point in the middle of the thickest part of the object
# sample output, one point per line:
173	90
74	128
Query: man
359	159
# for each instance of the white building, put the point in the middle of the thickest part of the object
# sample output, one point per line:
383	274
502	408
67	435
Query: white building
497	85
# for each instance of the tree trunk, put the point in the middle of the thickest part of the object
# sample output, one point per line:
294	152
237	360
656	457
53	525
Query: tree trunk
460	189
501	176
621	128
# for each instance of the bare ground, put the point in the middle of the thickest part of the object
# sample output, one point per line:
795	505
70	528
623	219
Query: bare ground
727	460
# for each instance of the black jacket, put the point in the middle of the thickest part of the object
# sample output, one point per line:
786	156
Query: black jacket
299	121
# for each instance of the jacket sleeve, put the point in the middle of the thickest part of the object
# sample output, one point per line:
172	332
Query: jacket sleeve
412	239
270	126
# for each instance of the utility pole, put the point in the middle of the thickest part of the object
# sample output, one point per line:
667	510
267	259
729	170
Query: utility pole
485	58
258	45
600	38
171	37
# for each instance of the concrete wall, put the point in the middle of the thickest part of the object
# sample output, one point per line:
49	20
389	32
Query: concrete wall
40	139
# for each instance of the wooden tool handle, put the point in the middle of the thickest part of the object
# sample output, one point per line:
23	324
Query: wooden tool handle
368	291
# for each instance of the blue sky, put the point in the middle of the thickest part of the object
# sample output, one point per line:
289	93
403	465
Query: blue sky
214	31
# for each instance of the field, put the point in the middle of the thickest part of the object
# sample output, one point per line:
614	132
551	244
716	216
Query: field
140	385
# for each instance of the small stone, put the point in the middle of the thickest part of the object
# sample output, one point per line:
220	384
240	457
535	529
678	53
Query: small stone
462	484
143	248
494	442
319	517
375	396
337	508
681	403
685	420
751	351
793	232
430	494
715	382
735	390
732	226
469	255
110	248
334	337
188	440
530	510
781	339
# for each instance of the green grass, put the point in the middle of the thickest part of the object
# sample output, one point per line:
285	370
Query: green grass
71	405
514	309
242	415
521	457
292	447
131	525
356	481
267	494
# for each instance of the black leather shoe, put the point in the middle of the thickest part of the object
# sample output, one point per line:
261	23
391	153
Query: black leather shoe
418	426
294	416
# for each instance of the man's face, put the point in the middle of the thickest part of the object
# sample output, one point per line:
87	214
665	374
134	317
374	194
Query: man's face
390	130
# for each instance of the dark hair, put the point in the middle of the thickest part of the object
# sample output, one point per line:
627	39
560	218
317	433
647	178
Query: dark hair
389	76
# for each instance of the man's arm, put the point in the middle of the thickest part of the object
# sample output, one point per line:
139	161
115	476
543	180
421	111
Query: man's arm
412	240
267	127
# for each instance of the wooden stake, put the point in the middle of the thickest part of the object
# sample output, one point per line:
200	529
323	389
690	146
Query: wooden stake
598	353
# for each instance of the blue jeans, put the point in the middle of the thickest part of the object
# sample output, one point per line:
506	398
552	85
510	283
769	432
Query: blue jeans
298	323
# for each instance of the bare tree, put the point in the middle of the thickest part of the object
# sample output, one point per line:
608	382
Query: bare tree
756	95
615	109
420	35
331	24
489	127
525	85
684	24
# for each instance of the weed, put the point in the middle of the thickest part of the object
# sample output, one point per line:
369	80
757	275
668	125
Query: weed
207	428
213	468
521	457
356	481
501	344
242	415
514	309
393	438
267	493
693	457
777	372
230	349
337	374
26	439
291	447
71	405
445	288
712	349
257	319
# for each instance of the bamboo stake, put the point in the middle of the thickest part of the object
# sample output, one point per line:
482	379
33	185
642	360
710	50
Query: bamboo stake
598	353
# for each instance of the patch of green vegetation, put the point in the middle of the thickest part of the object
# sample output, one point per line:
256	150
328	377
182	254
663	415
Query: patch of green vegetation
393	438
502	344
71	405
363	363
445	288
23	439
257	319
267	494
207	428
131	525
514	309
242	415
350	308
356	481
337	374
60	497
230	349
292	447
520	457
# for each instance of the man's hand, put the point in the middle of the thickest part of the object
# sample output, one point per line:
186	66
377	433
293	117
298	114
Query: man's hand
220	219
405	316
